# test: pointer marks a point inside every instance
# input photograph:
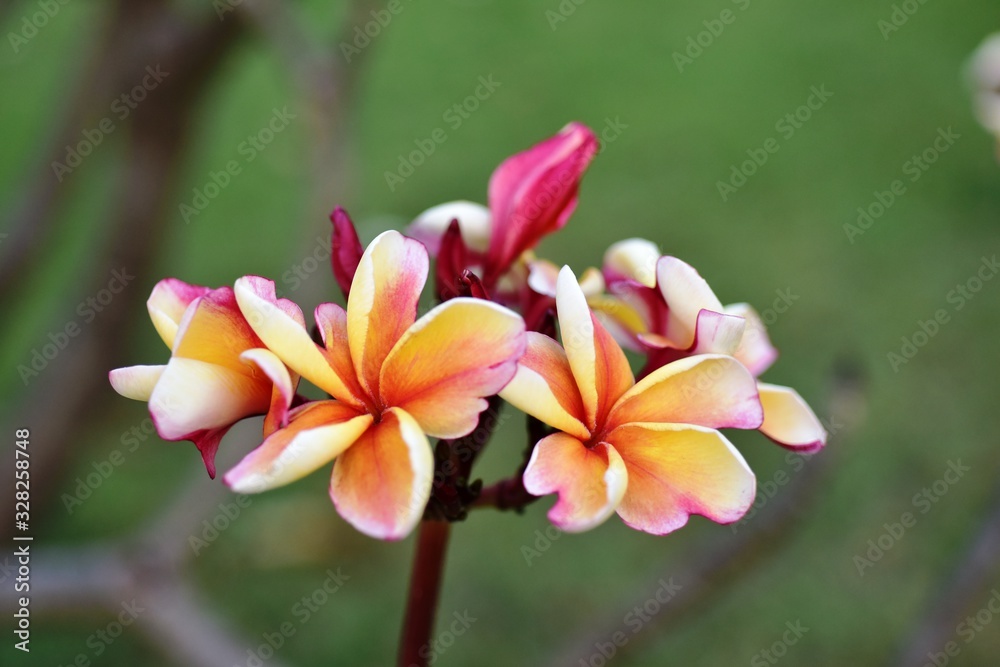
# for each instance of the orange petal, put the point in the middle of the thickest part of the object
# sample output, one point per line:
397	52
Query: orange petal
601	370
707	390
167	303
675	471
788	419
544	387
214	330
331	320
590	481
317	433
136	382
281	327
382	483
686	294
383	301
452	357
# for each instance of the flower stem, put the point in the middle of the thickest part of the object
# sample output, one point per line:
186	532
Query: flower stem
425	589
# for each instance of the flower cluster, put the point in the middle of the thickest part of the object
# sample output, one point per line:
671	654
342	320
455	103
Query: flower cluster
648	449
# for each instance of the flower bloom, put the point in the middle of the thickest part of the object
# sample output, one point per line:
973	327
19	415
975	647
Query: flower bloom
984	75
531	194
648	450
219	371
661	306
394	381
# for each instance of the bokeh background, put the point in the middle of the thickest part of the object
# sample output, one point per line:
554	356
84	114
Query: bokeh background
681	127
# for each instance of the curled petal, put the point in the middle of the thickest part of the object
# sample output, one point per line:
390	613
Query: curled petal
708	390
542	277
590	481
544	387
686	294
194	395
382	483
533	194
345	250
317	433
718	333
675	471
214	330
136	382
788	419
474	221
601	370
284	386
383	301
755	350
281	327
167	303
632	259
449	360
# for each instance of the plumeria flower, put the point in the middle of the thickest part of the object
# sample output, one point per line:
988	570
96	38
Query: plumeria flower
648	450
661	306
531	194
394	380
219	371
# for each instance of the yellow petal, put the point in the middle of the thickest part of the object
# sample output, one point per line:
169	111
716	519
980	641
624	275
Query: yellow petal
544	387
167	303
136	382
383	301
686	294
788	419
709	390
675	471
590	481
601	370
382	483
317	433
452	357
634	259
280	325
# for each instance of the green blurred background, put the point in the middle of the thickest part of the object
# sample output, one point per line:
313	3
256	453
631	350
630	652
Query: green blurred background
681	133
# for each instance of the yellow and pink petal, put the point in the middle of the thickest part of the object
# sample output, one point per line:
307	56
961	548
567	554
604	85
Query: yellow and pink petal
383	302
590	481
453	357
789	421
675	471
686	294
381	484
714	391
755	350
544	387
167	303
317	433
599	366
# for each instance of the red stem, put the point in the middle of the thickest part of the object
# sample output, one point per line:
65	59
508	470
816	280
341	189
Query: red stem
425	589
